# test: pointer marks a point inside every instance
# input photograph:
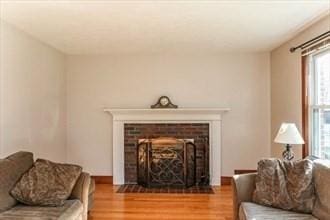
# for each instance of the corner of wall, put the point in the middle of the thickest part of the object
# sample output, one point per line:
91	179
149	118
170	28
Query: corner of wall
1	88
44	97
286	80
65	106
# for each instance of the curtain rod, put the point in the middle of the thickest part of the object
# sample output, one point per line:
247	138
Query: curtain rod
310	42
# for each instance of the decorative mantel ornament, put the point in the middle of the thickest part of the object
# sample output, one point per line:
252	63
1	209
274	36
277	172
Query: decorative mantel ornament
164	102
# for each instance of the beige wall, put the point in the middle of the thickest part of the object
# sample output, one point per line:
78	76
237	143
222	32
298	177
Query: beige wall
286	83
32	96
40	88
34	88
238	81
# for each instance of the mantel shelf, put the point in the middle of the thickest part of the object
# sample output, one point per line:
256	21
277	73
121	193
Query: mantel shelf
168	110
179	114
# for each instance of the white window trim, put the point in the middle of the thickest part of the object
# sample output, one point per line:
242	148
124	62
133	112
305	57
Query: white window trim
311	91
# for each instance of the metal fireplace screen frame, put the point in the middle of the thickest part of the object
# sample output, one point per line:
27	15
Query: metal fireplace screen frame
166	162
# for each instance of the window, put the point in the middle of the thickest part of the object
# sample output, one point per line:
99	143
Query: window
319	103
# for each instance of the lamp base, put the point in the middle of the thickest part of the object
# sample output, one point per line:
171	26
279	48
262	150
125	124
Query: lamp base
288	153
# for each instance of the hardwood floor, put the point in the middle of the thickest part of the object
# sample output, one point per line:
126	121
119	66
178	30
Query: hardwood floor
112	205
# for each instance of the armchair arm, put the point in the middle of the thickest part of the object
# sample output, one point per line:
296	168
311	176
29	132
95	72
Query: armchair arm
80	191
243	187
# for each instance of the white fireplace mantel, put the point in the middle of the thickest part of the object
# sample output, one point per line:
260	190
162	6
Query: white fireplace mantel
212	116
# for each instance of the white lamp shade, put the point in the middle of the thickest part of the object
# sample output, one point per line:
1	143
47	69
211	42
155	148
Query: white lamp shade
288	134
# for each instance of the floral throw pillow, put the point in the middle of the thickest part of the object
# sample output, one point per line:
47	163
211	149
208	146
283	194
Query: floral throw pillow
46	183
321	181
285	185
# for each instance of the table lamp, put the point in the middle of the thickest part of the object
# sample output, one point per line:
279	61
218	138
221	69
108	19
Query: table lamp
288	134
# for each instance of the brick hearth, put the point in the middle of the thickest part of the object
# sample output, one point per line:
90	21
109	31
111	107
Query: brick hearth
133	132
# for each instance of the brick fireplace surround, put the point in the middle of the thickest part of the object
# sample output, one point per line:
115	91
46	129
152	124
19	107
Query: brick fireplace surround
183	120
133	132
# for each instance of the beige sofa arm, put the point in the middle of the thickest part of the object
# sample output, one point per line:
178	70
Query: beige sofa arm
243	187
80	191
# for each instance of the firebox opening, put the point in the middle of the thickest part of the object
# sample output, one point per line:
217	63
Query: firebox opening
166	162
168	166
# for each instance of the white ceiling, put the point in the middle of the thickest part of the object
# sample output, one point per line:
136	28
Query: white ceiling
108	27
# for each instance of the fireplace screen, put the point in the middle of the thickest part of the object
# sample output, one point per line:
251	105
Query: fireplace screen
166	162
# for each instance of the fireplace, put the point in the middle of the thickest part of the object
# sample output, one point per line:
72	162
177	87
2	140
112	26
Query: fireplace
166	162
124	139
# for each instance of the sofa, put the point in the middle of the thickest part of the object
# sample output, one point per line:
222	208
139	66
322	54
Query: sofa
245	209
13	167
